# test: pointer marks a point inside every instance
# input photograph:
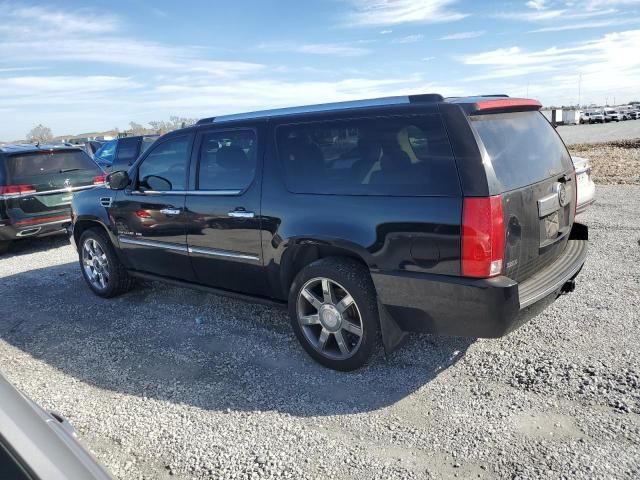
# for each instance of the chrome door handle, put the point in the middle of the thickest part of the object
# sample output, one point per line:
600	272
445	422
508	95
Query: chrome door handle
241	214
170	211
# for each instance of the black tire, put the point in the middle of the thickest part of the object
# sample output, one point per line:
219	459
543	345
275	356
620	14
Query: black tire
119	280
352	278
4	246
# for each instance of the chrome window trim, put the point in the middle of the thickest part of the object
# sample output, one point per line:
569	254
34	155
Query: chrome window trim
48	192
152	243
223	253
186	192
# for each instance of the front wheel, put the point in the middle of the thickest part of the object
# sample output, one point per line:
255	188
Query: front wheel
334	313
100	266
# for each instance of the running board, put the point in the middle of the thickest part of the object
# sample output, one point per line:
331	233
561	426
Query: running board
216	291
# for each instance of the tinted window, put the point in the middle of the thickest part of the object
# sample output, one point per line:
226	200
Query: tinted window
165	167
377	156
107	152
30	165
524	148
227	160
146	143
128	150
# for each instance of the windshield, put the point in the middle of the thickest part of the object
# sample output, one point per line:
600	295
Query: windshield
523	147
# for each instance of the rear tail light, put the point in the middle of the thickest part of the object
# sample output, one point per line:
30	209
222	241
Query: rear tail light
482	236
10	190
100	180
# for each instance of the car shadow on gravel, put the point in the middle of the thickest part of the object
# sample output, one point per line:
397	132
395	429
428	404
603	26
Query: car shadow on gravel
36	244
188	347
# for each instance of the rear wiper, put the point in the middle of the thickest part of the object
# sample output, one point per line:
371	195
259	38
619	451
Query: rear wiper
65	170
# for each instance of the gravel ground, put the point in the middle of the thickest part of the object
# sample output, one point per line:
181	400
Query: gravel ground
600	132
171	383
613	162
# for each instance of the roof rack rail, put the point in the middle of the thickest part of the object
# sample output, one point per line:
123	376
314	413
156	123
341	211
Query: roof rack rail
501	95
326	107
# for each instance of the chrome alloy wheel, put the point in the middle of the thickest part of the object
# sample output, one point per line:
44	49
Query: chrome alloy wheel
329	318
95	264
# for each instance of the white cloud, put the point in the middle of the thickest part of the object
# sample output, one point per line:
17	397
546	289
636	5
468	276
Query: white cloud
385	32
528	16
607	64
393	12
55	35
537	4
338	49
585	25
409	38
463	35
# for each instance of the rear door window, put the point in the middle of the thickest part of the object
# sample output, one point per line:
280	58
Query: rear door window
227	160
523	147
400	156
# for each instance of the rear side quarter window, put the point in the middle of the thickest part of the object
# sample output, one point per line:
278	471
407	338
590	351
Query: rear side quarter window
397	156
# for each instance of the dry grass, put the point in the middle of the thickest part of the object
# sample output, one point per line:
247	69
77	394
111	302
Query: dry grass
615	162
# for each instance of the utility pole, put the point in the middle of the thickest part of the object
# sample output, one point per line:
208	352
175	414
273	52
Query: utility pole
579	89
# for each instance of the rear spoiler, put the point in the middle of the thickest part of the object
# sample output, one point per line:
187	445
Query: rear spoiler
495	104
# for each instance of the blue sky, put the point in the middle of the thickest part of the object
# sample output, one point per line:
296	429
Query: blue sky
78	66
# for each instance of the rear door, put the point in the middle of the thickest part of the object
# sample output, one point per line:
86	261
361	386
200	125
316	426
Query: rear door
529	165
150	216
223	204
47	180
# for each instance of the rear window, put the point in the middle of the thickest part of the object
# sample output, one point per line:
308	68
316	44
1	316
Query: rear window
523	147
399	156
35	164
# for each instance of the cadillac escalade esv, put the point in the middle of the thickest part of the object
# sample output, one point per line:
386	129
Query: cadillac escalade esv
369	219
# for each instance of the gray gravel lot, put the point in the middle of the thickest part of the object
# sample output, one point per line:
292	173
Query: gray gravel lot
171	383
600	132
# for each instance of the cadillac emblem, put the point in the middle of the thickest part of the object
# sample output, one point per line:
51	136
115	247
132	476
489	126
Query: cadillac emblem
563	198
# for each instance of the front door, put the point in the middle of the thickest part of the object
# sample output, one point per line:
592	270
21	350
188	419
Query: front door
150	215
223	211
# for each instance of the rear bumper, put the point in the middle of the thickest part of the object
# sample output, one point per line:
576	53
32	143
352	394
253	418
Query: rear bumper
487	308
34	226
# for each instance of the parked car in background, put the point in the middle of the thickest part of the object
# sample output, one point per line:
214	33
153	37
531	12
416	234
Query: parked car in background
369	218
36	186
119	154
35	444
613	115
592	117
634	114
586	193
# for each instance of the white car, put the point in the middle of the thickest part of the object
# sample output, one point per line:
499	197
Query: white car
586	187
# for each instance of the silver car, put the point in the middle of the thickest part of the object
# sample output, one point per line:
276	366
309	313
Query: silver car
35	444
586	189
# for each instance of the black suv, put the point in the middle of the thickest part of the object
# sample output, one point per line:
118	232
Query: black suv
119	154
36	186
369	218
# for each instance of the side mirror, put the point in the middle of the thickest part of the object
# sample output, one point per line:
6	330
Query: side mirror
118	180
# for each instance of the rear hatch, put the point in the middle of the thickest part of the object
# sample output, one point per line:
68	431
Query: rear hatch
43	182
529	166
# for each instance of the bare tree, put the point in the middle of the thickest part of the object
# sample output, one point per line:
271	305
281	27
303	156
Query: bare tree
136	129
39	134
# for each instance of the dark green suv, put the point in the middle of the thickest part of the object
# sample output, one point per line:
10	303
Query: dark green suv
36	186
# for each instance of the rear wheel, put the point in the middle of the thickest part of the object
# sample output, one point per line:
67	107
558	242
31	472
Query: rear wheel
101	267
334	314
4	246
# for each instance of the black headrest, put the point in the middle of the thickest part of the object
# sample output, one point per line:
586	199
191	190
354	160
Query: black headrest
231	157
